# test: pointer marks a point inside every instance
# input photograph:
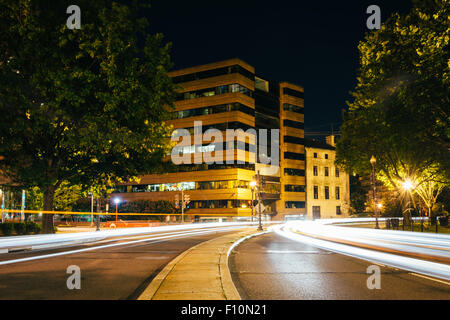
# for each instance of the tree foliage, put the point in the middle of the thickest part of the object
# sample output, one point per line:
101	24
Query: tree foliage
400	112
83	106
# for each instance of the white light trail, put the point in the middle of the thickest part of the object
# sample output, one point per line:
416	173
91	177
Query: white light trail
149	239
324	235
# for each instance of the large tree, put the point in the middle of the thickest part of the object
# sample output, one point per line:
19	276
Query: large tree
400	112
82	106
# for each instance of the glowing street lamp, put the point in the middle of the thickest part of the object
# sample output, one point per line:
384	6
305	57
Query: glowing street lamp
116	201
408	185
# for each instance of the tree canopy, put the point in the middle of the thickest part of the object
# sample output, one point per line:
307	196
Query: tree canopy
400	112
83	106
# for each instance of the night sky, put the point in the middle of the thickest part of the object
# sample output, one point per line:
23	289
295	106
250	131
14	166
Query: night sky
311	43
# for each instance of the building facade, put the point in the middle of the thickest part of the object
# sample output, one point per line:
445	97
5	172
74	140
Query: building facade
328	187
229	95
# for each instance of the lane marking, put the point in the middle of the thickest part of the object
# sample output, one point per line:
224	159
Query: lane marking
294	251
429	278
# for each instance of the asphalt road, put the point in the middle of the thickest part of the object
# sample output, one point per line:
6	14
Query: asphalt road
276	268
114	272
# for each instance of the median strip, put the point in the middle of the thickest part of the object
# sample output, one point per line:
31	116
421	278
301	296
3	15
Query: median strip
199	273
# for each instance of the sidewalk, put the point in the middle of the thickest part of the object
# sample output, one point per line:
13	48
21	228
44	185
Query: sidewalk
199	273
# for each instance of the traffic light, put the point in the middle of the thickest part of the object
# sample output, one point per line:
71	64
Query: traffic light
187	199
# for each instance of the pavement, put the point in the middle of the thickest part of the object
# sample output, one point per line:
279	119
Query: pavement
272	267
111	269
199	273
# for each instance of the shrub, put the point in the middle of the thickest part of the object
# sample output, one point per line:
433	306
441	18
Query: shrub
20	227
32	227
7	228
443	221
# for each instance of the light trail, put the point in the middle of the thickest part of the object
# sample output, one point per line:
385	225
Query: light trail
150	239
368	244
71	239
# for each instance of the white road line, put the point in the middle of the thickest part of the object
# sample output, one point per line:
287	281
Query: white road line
429	278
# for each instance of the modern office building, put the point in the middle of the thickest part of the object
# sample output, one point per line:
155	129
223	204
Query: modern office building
328	187
231	95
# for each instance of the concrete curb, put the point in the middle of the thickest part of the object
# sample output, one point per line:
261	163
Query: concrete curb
228	289
150	291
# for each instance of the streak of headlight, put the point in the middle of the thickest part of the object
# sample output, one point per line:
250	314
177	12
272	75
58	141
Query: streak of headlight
187	234
432	269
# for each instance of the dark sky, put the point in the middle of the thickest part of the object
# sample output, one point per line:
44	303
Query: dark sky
312	43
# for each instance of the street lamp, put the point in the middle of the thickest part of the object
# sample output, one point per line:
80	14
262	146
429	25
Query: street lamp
116	201
408	185
252	185
373	160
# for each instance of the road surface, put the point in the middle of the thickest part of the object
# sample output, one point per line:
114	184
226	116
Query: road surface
274	267
118	268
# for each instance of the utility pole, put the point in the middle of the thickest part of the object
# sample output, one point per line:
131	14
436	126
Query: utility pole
260	228
22	209
98	214
92	209
373	160
185	199
3	204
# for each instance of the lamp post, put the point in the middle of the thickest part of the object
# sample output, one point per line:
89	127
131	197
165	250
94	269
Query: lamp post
260	228
253	185
116	201
409	186
92	208
373	160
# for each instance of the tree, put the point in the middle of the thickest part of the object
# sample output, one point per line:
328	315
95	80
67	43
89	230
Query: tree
84	106
358	194
400	109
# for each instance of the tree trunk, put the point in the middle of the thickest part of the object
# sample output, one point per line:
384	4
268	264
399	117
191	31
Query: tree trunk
405	212
47	219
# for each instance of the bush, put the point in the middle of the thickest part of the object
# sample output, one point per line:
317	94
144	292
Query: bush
20	228
443	221
32	227
7	228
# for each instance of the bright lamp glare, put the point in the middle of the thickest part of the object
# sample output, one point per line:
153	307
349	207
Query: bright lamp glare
407	185
116	200
252	184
